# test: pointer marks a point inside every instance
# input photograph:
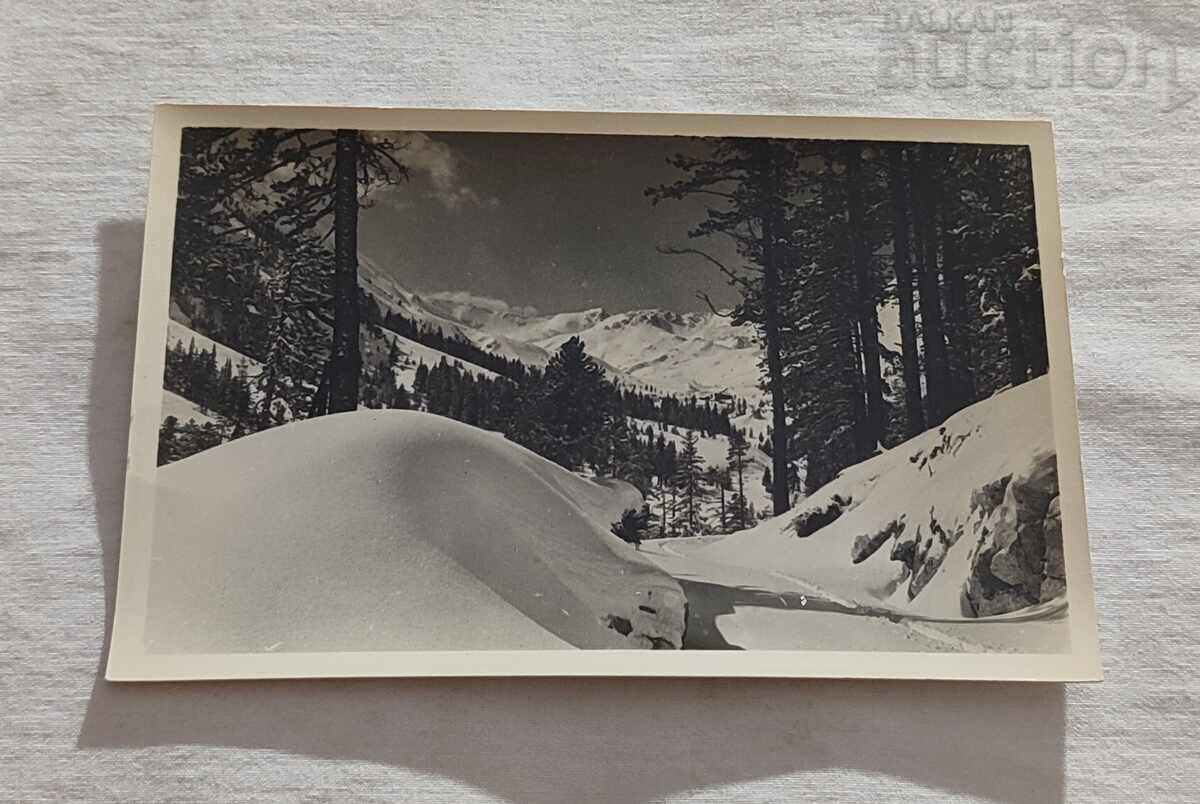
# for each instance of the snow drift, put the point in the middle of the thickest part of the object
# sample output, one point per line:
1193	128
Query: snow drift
394	530
959	521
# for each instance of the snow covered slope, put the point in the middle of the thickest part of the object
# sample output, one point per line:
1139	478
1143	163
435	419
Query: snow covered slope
376	350
713	450
452	319
394	530
183	410
181	333
907	530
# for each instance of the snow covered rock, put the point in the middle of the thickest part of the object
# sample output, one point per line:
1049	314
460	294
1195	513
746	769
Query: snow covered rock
1018	561
932	526
865	544
815	517
395	530
1054	572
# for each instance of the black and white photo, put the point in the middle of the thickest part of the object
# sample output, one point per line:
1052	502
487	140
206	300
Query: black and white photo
783	397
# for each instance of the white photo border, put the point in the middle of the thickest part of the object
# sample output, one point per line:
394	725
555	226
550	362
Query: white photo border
128	659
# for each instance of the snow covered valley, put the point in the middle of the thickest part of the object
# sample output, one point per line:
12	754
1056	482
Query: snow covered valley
402	530
769	393
390	530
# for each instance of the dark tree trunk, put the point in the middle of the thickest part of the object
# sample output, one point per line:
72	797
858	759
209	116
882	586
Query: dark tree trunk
346	360
914	412
865	303
1038	352
771	230
674	509
320	400
662	491
931	297
1018	362
691	508
742	498
858	405
962	363
264	411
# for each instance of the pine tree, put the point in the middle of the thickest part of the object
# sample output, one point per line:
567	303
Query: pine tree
902	268
633	525
290	313
628	459
256	209
957	232
755	179
572	386
665	462
167	433
990	233
866	302
602	454
829	381
219	392
937	385
689	476
420	385
737	461
225	389
345	360
717	477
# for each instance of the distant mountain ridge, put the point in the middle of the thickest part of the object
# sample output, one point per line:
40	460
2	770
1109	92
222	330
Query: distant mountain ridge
680	353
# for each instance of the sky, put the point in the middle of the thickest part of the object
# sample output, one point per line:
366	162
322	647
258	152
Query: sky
555	222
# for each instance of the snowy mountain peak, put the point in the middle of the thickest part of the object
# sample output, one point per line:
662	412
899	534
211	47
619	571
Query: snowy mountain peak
665	320
682	353
478	311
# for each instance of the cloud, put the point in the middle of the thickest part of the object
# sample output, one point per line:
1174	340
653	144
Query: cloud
439	163
497	306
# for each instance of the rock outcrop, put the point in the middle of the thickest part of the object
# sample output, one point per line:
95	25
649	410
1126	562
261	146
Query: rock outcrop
1054	574
957	521
809	522
866	544
1018	560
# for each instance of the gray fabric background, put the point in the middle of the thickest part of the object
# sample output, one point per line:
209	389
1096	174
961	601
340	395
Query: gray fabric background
77	85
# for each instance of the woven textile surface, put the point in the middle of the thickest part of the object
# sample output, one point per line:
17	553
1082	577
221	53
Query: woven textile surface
78	84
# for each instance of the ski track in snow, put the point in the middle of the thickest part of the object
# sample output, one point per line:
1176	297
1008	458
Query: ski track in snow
753	609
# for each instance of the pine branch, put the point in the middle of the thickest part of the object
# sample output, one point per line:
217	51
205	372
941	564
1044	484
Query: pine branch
704	297
733	277
384	152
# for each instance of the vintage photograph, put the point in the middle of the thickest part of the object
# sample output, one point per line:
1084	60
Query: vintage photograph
431	390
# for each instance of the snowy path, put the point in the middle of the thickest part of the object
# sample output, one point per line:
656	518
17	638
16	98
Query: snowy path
742	607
